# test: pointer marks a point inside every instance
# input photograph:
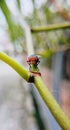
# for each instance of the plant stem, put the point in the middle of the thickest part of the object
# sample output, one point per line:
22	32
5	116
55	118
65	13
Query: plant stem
16	66
59	115
7	13
55	109
51	27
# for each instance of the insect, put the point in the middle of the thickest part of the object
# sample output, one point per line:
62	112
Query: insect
33	61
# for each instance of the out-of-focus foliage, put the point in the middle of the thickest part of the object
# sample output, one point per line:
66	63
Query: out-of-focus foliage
18	4
49	12
15	30
46	15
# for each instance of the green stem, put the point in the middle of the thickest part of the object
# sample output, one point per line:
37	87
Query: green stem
8	17
55	109
16	66
59	115
51	27
6	12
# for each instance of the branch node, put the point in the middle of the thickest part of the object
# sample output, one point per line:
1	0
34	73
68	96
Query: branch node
31	79
32	76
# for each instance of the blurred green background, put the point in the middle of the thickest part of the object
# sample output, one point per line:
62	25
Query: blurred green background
21	105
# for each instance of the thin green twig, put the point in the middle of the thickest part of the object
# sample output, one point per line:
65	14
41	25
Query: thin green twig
50	27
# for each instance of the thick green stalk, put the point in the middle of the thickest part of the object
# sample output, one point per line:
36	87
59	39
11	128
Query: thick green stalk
16	66
55	109
59	115
51	27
